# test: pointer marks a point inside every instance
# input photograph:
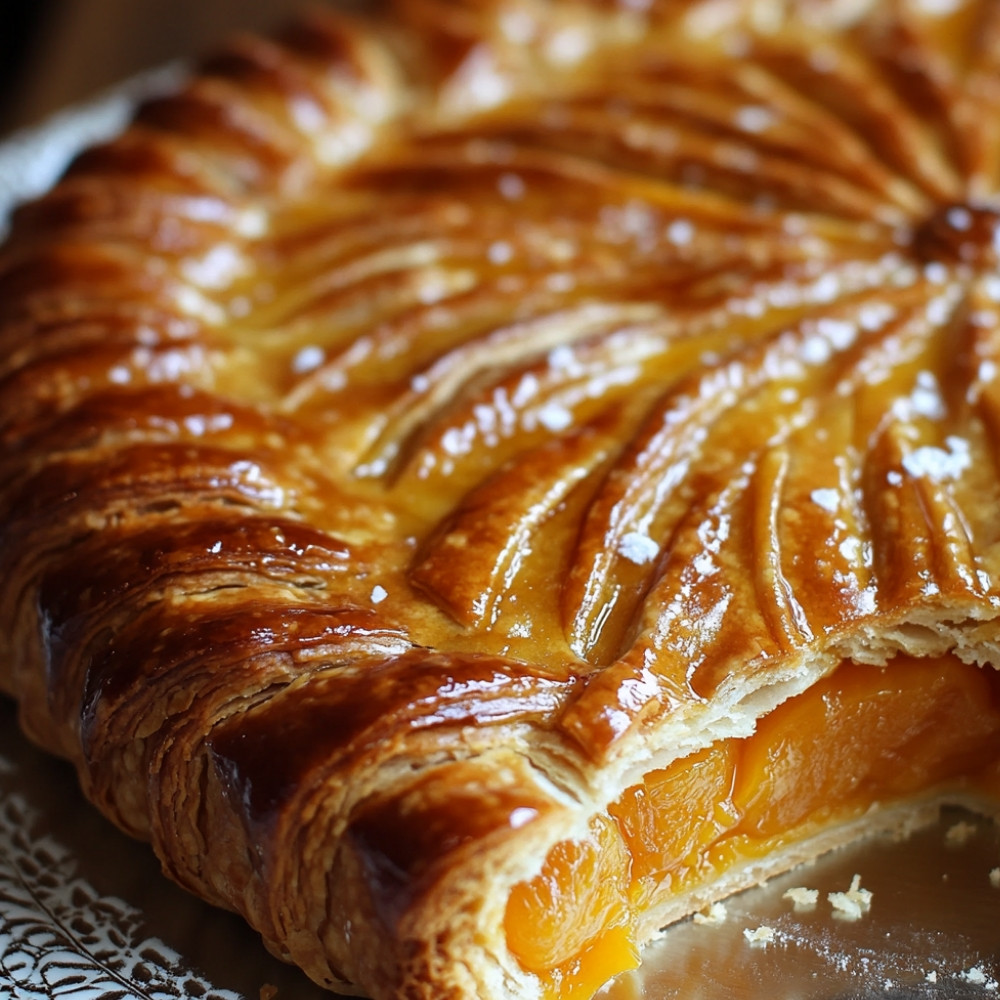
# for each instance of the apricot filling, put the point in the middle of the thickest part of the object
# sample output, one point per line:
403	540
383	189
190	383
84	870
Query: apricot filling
863	735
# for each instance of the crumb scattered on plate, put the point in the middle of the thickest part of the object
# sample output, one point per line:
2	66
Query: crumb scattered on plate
851	905
802	898
759	937
715	914
959	834
995	878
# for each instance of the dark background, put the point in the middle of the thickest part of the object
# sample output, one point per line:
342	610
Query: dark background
55	53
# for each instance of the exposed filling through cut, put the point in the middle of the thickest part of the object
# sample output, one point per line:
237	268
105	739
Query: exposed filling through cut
864	735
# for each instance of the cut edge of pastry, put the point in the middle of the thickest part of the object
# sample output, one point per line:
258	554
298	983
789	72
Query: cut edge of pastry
454	937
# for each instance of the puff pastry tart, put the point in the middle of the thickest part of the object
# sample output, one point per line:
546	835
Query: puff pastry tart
480	481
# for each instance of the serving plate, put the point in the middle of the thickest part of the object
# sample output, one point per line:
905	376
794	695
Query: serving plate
86	915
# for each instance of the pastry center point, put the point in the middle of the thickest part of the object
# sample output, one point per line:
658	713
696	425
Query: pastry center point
960	234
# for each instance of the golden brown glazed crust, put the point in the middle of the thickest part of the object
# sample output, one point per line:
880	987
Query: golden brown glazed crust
418	425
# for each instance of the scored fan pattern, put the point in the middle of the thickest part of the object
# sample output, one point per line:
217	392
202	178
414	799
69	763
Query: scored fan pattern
532	365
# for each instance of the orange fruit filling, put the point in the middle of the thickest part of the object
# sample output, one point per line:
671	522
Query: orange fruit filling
861	736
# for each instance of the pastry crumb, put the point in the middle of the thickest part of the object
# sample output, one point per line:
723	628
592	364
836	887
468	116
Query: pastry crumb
802	898
759	937
995	878
959	834
853	904
268	992
715	914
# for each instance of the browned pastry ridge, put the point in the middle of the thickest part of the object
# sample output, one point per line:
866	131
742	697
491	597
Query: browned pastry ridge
430	436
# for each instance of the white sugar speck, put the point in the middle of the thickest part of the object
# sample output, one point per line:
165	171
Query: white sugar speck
680	232
991	286
704	564
816	350
560	281
755	118
520	630
939	8
839	332
562	357
511	186
554	417
926	397
638	548
521	816
379	594
482	81
455	441
936	273
938	310
851	549
827	288
875	315
518	27
939	464
500	252
308	359
569	46
828	499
